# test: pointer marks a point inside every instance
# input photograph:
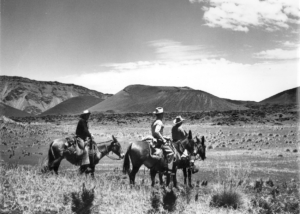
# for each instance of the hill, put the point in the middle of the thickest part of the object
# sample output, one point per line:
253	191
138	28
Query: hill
241	102
73	105
291	96
142	98
36	97
9	111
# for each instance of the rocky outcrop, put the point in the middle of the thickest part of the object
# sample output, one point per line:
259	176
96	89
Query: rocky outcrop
35	97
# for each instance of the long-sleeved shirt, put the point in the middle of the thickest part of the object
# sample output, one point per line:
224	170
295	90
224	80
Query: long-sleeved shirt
178	133
82	130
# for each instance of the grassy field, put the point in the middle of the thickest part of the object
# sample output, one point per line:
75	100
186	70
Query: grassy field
256	166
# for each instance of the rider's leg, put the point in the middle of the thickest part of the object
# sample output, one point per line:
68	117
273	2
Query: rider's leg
169	154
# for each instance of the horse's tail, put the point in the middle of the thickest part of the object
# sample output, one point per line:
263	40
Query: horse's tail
51	156
126	164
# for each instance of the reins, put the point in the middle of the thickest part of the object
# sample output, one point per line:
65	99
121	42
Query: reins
113	158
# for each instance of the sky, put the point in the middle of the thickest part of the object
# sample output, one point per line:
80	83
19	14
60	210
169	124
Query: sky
242	50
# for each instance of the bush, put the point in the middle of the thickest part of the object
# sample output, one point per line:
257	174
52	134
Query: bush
169	200
82	202
155	201
228	198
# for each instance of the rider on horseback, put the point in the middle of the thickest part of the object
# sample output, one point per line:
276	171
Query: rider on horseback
157	128
179	134
84	137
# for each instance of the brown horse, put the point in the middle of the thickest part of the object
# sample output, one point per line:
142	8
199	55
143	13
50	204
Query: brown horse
139	154
184	164
58	151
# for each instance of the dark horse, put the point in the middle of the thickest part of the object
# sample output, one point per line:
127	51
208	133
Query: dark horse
184	164
139	153
58	151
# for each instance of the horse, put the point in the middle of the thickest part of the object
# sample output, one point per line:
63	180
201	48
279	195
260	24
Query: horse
140	153
184	164
58	151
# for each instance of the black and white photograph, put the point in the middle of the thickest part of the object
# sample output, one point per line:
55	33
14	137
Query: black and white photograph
149	106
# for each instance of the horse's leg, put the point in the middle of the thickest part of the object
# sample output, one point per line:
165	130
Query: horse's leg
92	171
82	169
190	177
55	164
133	172
184	175
175	178
168	179
161	182
153	174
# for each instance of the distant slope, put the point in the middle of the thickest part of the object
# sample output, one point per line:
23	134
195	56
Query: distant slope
141	98
285	97
38	96
73	105
240	102
9	111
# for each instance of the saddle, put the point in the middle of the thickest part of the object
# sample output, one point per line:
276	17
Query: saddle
154	147
156	151
73	145
73	150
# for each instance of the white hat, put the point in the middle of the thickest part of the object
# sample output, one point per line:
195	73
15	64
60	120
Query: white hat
178	119
86	112
158	110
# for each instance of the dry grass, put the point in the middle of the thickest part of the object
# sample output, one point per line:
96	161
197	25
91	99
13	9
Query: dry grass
27	191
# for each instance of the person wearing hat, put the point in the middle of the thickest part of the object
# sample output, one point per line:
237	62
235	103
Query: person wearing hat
177	130
157	129
84	136
179	134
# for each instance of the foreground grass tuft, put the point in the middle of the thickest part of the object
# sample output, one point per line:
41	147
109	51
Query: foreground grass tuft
82	202
169	200
228	198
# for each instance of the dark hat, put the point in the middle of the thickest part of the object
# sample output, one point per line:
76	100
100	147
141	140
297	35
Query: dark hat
178	119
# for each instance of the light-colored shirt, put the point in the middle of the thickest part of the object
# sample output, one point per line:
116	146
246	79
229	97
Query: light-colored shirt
178	133
157	129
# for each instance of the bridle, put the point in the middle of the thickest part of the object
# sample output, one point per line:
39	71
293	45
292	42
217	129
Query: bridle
107	152
198	148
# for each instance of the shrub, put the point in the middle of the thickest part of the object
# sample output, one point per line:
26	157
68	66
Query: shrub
82	202
155	200
169	200
227	197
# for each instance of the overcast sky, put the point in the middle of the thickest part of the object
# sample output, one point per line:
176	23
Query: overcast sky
237	49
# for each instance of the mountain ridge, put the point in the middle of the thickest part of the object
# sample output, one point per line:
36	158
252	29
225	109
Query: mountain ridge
35	97
285	97
8	111
144	98
72	106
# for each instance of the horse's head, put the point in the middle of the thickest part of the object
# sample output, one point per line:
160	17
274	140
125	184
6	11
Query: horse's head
116	147
201	147
190	144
